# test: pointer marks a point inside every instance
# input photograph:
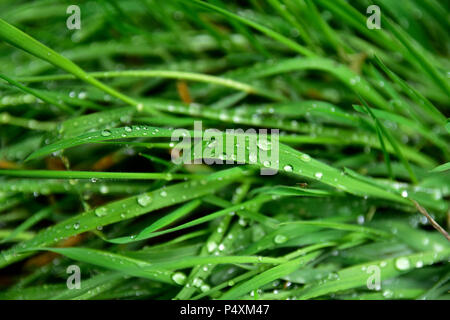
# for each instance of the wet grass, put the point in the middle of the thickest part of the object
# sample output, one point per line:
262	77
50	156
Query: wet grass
86	177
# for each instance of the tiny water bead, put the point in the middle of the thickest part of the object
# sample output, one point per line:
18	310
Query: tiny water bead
318	175
128	129
404	194
280	238
144	200
402	263
287	168
179	278
163	194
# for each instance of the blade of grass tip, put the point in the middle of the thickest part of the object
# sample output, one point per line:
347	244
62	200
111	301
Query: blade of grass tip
393	143
380	138
442	167
269	32
416	96
329	33
422	57
242	29
103	135
25	42
169	218
37	94
286	14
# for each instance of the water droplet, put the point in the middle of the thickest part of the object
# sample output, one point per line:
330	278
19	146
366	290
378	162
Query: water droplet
76	226
205	288
318	175
197	282
128	129
280	238
144	200
163	193
211	246
404	193
360	219
106	133
287	168
101	212
179	278
388	293
402	263
305	157
104	189
264	144
252	157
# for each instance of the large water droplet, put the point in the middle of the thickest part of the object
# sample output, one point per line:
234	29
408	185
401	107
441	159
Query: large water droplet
197	282
101	212
106	133
179	278
205	288
264	144
280	238
402	263
388	293
144	200
211	246
305	157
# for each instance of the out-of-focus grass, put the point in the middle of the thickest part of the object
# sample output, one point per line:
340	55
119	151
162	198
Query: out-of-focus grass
86	175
